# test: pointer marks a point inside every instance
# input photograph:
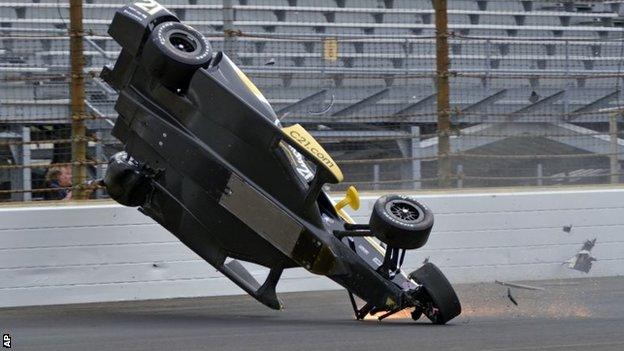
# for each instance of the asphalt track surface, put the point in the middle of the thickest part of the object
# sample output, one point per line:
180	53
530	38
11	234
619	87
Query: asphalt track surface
583	314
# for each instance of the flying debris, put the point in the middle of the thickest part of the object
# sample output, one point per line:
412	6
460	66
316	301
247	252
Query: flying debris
582	261
534	97
511	298
519	286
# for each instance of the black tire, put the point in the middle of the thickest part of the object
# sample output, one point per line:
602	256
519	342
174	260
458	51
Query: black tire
401	222
442	303
124	181
173	52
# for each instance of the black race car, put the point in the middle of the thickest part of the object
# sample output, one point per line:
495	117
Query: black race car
206	157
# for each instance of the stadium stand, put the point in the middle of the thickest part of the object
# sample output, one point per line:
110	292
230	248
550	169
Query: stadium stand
361	74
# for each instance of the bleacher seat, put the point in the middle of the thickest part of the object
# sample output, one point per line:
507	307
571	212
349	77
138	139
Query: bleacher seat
260	2
503	6
365	3
415	4
305	16
380	62
359	18
317	3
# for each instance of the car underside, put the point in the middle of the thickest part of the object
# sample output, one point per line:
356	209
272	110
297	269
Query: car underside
206	157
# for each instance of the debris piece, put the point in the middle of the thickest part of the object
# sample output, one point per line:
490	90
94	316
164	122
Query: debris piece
589	244
567	228
582	261
519	286
511	297
534	97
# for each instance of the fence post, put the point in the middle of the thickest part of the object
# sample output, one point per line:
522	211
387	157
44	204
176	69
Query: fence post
20	176
566	93
416	156
488	64
77	92
444	123
99	157
613	157
376	177
229	34
26	161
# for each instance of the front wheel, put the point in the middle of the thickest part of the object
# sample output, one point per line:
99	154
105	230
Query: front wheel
441	302
401	222
173	52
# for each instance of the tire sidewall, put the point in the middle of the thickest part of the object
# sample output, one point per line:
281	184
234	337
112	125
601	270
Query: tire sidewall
172	67
426	221
160	39
398	233
439	290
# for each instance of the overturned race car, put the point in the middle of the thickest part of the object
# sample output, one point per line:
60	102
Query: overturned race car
206	157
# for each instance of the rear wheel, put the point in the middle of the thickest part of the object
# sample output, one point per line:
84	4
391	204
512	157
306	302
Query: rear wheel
401	222
441	302
173	52
125	183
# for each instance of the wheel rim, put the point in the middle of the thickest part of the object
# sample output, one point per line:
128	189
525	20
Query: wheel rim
404	211
183	43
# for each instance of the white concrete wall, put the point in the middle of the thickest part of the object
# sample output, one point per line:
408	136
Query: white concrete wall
105	252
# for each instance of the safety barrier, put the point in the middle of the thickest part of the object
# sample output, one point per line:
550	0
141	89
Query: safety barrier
99	251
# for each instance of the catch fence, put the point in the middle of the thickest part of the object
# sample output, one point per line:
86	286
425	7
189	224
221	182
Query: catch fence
535	88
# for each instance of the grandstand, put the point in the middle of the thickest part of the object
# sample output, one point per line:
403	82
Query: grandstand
530	84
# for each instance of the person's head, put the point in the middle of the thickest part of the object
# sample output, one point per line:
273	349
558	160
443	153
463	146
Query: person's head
60	174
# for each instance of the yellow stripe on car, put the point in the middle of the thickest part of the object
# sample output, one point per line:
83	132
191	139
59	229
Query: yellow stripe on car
250	85
301	137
